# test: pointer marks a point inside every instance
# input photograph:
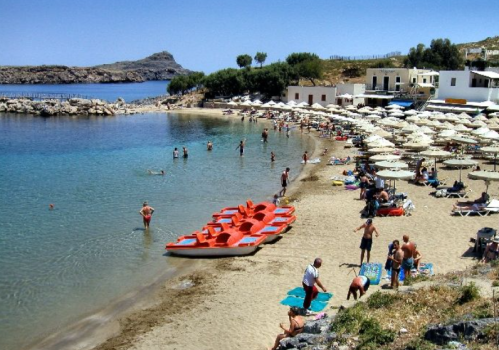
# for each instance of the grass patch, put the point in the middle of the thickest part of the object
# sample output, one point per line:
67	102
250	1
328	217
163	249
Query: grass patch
469	292
372	335
349	320
379	300
420	344
483	310
409	280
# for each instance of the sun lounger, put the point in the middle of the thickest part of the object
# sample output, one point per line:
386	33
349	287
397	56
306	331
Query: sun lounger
435	182
491	207
459	194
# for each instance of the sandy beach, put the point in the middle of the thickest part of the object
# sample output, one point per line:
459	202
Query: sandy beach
232	303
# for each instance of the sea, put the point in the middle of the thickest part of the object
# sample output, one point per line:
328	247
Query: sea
59	265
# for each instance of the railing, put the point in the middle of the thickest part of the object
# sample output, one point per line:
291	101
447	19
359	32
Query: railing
41	95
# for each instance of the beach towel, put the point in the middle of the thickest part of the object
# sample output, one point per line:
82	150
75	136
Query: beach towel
424	269
372	271
300	293
291	300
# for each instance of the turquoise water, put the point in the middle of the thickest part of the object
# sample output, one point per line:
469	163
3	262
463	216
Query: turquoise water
108	92
56	265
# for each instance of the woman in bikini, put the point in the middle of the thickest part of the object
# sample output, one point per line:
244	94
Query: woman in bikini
296	324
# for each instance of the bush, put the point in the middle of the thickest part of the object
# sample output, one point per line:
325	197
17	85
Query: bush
419	344
349	320
469	293
379	300
482	311
372	335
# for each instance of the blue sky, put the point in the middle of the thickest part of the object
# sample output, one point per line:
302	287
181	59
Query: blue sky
208	35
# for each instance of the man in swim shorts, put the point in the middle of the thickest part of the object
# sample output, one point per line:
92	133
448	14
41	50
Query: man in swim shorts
408	261
284	181
396	258
186	152
359	283
146	213
367	239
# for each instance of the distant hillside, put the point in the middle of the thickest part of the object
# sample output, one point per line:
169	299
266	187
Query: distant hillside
490	43
159	66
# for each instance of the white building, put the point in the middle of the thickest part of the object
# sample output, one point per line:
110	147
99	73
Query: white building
341	94
467	89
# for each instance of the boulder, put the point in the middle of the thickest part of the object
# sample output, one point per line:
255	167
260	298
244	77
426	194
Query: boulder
469	330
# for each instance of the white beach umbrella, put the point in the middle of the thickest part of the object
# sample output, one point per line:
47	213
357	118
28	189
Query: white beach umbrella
412	119
477	124
382	157
416	145
426	130
381	143
394	106
397	114
491	150
387	122
422	122
380	150
463	115
395	174
411	112
491	135
464	140
462	128
460	163
481	118
272	103
410	128
436	154
387	164
246	103
317	106
257	102
480	131
290	103
487	176
373	117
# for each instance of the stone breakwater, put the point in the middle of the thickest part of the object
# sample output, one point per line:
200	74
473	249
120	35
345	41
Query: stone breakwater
73	106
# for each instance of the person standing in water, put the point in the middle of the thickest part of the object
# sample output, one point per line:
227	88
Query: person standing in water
186	152
209	145
284	181
175	153
241	148
272	157
146	213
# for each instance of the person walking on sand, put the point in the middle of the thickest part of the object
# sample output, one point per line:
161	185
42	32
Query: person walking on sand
305	157
241	148
284	181
146	213
360	284
310	279
367	239
408	261
396	259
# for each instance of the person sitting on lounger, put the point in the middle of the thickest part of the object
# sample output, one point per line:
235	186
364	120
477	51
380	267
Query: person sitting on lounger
382	196
296	324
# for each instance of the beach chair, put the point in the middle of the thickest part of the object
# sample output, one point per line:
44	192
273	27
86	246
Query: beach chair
435	182
459	194
491	207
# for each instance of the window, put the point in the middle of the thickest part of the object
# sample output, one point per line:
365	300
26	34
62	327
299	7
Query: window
323	98
414	80
297	96
452	81
424	80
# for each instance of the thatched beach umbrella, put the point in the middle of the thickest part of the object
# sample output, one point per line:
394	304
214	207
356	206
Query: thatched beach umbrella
380	150
491	150
460	163
437	154
382	157
387	164
487	176
395	174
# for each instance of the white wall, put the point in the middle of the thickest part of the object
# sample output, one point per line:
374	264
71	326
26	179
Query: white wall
352	89
463	89
316	91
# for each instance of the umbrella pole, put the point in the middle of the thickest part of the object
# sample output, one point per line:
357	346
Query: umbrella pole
495	159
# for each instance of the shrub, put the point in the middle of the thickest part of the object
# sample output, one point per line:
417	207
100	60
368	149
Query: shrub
482	311
379	300
419	344
349	320
372	335
469	293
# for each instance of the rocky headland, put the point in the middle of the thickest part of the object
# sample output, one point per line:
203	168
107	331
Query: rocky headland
159	66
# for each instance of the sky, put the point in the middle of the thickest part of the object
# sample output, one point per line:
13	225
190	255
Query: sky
209	35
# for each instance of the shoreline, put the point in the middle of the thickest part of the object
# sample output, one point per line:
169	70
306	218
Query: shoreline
237	303
103	328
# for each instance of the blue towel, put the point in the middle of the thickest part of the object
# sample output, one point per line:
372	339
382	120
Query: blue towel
422	267
300	292
316	305
372	271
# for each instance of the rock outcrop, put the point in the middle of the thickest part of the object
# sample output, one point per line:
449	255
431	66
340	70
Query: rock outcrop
159	66
73	106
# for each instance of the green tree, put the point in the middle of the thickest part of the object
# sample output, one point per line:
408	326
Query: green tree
179	85
244	61
196	79
260	57
306	65
441	55
225	82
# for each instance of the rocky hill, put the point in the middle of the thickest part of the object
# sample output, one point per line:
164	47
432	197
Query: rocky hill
159	66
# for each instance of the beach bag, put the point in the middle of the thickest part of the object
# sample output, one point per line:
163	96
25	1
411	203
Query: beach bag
441	193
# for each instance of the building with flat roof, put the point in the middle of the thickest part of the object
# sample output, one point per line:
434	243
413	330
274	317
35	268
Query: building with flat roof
341	94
